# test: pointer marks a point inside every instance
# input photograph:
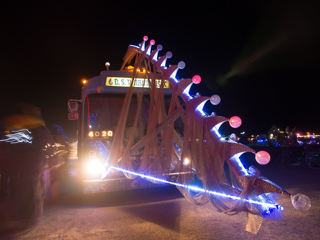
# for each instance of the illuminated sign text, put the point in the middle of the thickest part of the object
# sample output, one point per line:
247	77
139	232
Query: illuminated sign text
138	82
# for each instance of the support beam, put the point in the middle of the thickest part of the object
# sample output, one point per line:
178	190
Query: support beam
166	123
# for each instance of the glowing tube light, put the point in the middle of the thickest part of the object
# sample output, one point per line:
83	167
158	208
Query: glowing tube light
186	91
155	57
216	132
200	108
269	205
134	46
215	129
148	51
173	75
237	159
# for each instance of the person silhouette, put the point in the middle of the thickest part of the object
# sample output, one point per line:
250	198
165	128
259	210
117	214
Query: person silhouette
24	161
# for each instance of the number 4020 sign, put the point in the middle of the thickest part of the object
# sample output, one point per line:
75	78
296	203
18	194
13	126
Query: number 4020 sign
103	134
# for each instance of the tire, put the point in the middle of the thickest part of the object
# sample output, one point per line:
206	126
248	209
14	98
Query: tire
283	160
313	159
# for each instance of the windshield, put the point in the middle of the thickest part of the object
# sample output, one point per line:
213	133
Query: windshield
102	113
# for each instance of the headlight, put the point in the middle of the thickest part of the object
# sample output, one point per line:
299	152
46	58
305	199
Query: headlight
94	167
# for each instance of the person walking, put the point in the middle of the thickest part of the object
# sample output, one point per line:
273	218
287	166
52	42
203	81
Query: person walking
26	142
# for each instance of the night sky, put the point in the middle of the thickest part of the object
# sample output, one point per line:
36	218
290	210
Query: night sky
261	57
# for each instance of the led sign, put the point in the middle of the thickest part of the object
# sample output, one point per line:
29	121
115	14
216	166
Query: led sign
138	82
100	134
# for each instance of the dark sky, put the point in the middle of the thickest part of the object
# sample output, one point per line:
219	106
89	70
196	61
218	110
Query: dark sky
261	57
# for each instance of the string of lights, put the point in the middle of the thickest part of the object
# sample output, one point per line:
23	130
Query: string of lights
267	205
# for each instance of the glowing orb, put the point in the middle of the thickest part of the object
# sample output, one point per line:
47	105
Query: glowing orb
196	79
181	65
215	99
186	161
169	54
263	157
92	154
235	122
99	89
107	64
159	47
145	38
152	42
301	202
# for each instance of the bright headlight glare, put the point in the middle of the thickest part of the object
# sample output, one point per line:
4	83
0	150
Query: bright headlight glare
94	167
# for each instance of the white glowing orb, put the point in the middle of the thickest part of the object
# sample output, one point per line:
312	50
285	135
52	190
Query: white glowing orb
181	65
169	54
301	202
215	99
263	157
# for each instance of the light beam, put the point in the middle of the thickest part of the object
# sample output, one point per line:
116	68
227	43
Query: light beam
268	205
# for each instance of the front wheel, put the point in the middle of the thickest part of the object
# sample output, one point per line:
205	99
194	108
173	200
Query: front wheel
283	160
313	159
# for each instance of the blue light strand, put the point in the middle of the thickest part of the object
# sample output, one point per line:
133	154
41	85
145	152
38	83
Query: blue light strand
236	157
269	205
186	91
173	75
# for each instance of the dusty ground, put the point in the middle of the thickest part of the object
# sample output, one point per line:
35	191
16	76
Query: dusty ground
163	214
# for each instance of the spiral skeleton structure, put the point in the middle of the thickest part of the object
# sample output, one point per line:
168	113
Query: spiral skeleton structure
250	192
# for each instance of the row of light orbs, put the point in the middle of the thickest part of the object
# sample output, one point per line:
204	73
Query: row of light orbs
262	157
299	201
234	121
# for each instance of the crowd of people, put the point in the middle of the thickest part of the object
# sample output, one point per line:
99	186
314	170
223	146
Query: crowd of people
27	147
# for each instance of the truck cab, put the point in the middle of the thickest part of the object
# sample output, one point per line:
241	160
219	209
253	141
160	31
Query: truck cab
98	113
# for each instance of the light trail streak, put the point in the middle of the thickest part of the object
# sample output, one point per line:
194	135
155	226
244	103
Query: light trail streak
18	136
268	205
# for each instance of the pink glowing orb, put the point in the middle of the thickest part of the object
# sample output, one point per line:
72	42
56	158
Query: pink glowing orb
196	79
235	122
263	157
152	42
145	38
215	99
